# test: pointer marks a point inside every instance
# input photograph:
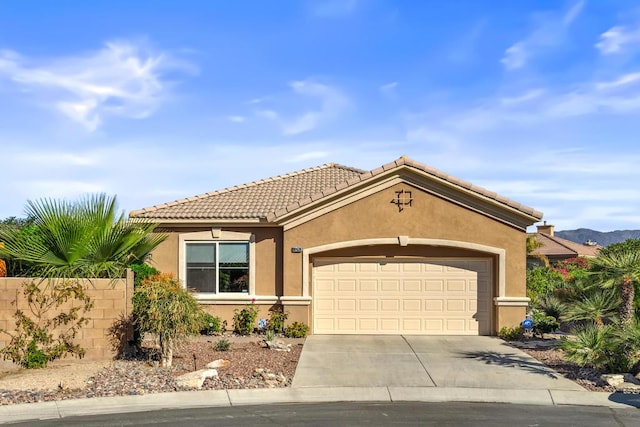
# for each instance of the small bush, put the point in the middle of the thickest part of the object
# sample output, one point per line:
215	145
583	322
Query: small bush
162	307
211	325
222	344
511	334
35	358
269	335
277	317
142	272
590	345
296	330
552	306
244	321
543	324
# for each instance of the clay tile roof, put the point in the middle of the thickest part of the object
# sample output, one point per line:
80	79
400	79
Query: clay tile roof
256	199
557	246
277	196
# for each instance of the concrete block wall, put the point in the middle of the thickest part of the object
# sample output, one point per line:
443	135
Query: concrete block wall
111	303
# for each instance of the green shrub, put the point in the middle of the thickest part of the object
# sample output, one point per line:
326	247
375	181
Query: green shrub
542	281
142	272
511	334
296	330
222	344
162	307
277	317
552	306
543	324
591	345
35	358
598	307
211	324
244	321
269	335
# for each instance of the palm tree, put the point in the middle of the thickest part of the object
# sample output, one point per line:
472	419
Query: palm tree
620	269
86	238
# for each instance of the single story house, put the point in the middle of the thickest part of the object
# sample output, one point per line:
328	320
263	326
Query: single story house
556	249
401	249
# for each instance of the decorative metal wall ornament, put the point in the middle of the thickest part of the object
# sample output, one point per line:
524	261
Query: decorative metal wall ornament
403	198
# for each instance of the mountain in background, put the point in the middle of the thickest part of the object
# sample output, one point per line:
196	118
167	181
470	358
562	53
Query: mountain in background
582	235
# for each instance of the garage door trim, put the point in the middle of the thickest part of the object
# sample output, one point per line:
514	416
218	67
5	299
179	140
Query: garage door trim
500	253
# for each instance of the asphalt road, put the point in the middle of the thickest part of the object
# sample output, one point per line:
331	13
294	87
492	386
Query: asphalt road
369	414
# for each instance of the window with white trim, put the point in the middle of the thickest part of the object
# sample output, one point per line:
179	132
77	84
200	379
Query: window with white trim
217	267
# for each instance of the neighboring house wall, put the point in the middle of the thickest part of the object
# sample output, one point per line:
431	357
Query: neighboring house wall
112	302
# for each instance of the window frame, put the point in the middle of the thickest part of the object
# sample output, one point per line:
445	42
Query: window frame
217	236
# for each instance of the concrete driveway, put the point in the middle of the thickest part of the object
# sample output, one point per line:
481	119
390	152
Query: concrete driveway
421	361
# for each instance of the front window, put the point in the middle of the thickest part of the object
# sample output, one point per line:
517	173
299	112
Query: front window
218	267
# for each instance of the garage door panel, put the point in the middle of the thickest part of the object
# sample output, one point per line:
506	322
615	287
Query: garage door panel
390	325
390	305
418	296
348	305
434	285
368	305
411	305
390	286
409	285
368	325
456	306
456	286
368	285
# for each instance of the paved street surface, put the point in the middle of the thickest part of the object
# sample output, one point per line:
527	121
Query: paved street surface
369	414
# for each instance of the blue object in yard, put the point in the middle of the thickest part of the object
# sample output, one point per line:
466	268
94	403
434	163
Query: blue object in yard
262	324
527	324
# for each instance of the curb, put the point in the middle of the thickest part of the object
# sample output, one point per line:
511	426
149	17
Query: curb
228	398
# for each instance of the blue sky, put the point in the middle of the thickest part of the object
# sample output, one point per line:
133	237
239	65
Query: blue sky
159	100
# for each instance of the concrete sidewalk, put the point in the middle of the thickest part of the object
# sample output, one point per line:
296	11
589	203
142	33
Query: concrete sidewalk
218	398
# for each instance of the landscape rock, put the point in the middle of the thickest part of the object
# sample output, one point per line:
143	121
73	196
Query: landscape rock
622	382
270	379
278	345
219	363
195	379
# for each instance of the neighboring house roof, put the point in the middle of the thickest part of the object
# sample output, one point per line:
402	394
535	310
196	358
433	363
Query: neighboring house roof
275	197
553	246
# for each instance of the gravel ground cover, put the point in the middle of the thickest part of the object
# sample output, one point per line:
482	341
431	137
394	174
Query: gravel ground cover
252	365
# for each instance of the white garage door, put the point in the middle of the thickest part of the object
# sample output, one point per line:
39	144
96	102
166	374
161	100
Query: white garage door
421	296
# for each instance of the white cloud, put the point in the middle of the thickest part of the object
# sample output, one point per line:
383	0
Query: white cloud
236	119
122	79
389	89
515	56
332	103
549	30
520	99
623	80
617	39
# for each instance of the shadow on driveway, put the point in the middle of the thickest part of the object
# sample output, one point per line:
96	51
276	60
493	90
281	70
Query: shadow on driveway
512	361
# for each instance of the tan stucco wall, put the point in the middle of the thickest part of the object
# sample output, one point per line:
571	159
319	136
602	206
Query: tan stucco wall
268	255
429	217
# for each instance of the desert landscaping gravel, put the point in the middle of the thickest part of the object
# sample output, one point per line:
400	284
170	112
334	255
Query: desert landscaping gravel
252	365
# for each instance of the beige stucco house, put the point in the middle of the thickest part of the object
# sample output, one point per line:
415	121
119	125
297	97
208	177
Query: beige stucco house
401	249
